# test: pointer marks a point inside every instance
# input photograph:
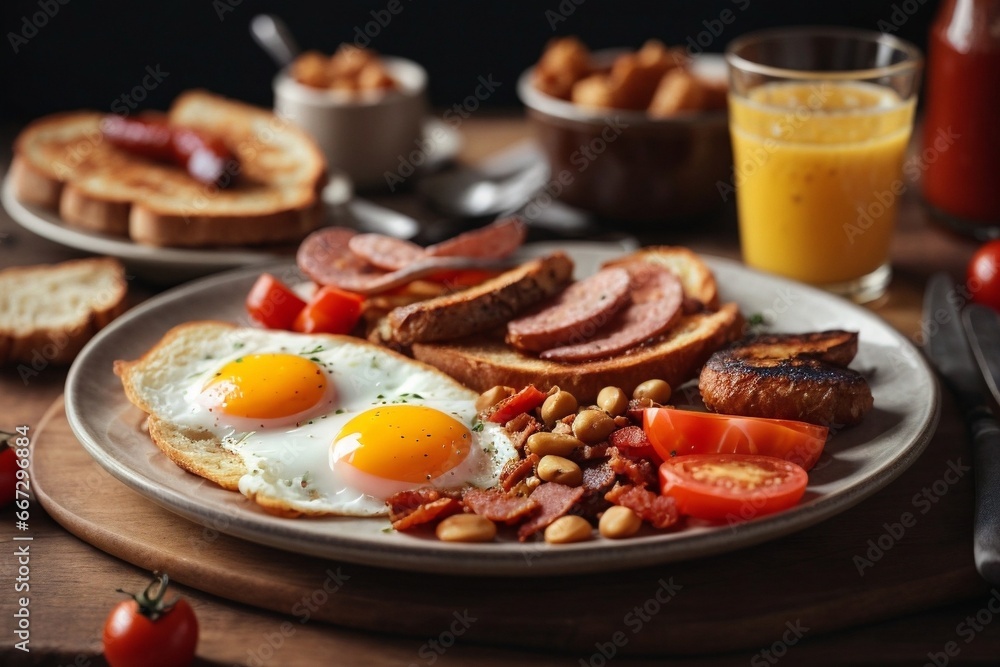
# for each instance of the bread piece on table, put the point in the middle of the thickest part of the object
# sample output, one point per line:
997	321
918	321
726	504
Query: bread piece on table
62	163
48	313
482	362
490	304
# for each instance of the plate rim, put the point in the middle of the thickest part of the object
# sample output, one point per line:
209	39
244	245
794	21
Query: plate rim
487	560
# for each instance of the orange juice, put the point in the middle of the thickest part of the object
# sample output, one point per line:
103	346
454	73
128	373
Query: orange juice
818	176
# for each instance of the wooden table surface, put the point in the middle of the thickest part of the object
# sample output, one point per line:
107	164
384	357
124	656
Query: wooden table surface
66	571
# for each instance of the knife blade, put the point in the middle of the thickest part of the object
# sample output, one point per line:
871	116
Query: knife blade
982	326
948	348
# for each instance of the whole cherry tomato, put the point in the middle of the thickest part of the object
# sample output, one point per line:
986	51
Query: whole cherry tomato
983	275
147	632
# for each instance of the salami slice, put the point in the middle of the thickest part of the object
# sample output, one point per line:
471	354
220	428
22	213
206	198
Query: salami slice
656	306
385	252
576	315
496	240
325	257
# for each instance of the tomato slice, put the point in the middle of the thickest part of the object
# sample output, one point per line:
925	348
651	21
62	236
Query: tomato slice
525	400
674	432
272	303
731	487
331	310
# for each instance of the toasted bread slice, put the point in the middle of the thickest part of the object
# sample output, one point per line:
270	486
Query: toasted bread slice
482	363
676	356
63	163
695	276
47	313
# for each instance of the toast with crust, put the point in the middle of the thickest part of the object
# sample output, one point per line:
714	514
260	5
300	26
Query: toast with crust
48	312
484	361
62	163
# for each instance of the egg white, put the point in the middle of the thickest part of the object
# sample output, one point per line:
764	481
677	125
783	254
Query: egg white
292	463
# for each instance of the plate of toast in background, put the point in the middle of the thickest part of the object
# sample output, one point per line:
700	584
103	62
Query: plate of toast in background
857	461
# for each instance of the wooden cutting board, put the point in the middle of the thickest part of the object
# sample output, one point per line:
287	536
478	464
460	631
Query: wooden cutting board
756	594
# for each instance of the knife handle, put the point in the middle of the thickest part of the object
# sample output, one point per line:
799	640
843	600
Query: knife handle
986	456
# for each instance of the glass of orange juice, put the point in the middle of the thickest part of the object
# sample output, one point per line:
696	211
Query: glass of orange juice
820	119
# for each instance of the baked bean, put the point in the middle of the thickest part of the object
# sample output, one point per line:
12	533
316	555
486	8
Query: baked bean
553	468
613	401
466	528
569	528
618	522
544	443
557	406
492	396
657	391
593	426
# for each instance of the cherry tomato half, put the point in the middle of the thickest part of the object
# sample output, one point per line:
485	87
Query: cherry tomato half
146	632
332	310
731	487
273	304
675	432
983	275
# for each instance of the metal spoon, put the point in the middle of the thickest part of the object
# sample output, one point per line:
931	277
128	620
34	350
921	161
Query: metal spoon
273	35
468	193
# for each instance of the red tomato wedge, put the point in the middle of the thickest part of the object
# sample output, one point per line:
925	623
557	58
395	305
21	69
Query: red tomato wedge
272	303
675	432
525	400
731	487
331	310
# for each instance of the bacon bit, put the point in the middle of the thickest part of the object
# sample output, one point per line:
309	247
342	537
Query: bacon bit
590	453
520	428
636	406
523	401
497	506
514	471
555	501
638	471
436	509
659	511
404	503
597	477
628	438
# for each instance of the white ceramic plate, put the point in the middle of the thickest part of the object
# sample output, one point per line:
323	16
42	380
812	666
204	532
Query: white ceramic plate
857	462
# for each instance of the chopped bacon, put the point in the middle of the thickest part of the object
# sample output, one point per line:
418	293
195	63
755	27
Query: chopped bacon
590	453
628	437
422	505
639	471
516	470
597	477
498	506
525	400
659	511
435	509
555	501
520	429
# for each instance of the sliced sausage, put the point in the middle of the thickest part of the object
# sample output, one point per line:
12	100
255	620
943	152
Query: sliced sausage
496	240
575	315
325	257
385	252
656	306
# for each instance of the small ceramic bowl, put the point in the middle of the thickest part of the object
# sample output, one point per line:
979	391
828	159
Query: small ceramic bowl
626	165
367	136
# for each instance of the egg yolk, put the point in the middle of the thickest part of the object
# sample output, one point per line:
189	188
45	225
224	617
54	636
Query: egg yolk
407	443
266	386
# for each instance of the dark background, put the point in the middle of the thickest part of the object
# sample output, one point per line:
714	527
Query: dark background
91	52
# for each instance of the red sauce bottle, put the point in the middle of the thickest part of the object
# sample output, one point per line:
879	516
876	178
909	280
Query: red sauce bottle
961	153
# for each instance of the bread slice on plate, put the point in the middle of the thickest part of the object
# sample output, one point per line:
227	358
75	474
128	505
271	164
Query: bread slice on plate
676	356
62	163
48	312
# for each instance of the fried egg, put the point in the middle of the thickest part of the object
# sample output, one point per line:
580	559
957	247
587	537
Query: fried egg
321	424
